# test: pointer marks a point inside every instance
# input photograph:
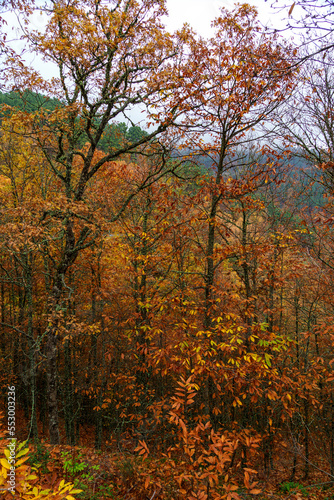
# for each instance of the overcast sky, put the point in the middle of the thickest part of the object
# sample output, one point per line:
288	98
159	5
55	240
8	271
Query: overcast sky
197	13
200	13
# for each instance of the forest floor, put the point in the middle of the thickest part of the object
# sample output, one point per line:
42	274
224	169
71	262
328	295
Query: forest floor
121	475
117	472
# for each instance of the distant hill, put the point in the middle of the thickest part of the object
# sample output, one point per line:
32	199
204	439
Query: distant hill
28	101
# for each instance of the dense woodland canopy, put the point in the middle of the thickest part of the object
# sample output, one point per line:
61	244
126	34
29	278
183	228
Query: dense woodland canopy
166	287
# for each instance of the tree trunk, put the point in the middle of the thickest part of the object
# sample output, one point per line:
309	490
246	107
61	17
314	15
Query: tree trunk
68	257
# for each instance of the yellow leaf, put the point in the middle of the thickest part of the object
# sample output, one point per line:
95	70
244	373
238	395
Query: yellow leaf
22	452
19	462
4	463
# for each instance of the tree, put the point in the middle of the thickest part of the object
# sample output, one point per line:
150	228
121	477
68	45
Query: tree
109	59
315	15
244	77
306	120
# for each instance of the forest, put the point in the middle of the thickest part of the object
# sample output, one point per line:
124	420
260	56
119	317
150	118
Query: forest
166	255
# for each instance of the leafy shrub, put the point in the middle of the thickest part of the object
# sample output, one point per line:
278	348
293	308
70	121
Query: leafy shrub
290	487
19	480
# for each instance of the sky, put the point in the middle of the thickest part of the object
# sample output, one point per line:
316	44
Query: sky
197	13
200	13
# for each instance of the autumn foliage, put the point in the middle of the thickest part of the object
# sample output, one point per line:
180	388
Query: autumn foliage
165	289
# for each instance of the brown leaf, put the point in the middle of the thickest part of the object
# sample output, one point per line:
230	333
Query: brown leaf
291	8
